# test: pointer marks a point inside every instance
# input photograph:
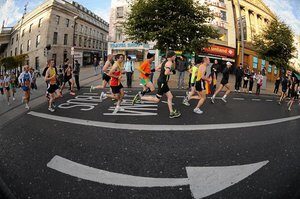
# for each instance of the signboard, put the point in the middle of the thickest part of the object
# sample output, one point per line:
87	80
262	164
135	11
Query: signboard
129	46
220	50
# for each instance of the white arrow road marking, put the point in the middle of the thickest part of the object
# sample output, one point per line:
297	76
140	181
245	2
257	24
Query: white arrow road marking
152	127
203	181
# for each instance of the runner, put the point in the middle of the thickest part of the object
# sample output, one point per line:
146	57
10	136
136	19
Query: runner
25	81
115	83
68	78
167	68
190	95
105	77
284	87
145	72
6	86
294	93
224	83
1	84
52	89
13	84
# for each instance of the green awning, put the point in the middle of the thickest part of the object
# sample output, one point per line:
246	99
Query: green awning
297	76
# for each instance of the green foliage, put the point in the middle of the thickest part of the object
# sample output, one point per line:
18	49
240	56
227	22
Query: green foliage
276	43
10	63
173	24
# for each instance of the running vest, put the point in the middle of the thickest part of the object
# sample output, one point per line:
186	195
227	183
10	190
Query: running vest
51	73
200	75
115	81
162	77
26	79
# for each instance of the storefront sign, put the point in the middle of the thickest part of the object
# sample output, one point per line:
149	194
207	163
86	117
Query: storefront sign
129	45
220	50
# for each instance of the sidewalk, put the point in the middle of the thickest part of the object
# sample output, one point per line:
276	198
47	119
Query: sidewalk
86	72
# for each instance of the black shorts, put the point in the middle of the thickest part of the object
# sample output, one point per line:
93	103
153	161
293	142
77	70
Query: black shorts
200	85
7	88
1	90
284	90
162	88
192	84
116	89
225	81
105	77
52	88
67	78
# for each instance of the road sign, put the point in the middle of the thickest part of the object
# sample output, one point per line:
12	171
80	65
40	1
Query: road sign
203	181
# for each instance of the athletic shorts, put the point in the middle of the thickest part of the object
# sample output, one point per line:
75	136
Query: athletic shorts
193	84
1	90
284	90
144	81
25	88
162	88
52	88
67	78
7	88
116	89
200	85
224	82
105	77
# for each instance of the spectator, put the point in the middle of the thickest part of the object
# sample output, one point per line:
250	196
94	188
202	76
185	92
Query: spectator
101	64
259	79
238	77
246	79
181	66
95	64
216	68
251	81
76	72
277	83
129	69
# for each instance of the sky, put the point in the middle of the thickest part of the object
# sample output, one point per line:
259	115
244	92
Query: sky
11	10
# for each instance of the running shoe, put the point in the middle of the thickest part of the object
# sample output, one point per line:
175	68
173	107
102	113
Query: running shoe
136	99
224	99
289	109
72	93
198	111
91	89
102	96
26	106
185	102
51	109
118	108
212	100
174	114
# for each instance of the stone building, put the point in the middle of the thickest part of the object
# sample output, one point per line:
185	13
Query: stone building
62	25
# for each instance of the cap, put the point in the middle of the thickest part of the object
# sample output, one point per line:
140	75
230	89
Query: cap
228	63
170	54
150	55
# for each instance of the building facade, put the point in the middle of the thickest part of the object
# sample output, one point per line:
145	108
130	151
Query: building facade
62	25
295	61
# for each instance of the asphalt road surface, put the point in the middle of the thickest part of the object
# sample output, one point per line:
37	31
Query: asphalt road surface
246	148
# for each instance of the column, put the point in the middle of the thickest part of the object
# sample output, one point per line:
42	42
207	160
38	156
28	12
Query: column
246	13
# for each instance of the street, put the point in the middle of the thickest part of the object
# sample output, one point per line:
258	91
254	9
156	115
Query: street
84	150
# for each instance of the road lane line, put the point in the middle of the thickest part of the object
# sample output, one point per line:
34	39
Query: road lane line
257	100
153	127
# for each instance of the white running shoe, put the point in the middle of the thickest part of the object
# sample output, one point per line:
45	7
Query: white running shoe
102	96
212	100
224	99
198	111
118	108
91	89
51	109
185	102
26	106
14	99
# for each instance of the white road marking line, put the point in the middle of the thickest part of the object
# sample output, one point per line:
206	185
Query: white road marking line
91	94
257	100
133	108
269	100
152	127
203	181
165	102
180	96
238	98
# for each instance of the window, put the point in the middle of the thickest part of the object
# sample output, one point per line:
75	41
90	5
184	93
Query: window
90	42
223	15
17	37
80	40
23	31
67	23
21	49
269	68
37	63
94	43
81	29
11	53
275	70
40	22
255	62
16	49
75	40
102	37
54	57
28	45
55	35
90	31
12	41
263	64
66	39
57	18
30	27
38	40
84	42
120	12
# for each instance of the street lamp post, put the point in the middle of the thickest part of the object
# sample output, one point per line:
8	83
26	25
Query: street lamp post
74	42
242	31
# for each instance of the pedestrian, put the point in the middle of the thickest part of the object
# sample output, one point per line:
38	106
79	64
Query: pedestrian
6	86
213	77
284	88
200	84
152	71
13	84
238	77
145	72
105	77
182	66
52	89
68	78
95	64
224	83
246	79
166	69
251	81
76	73
101	65
259	79
190	95
129	69
294	93
277	83
115	83
34	76
1	84
25	80
216	68
289	86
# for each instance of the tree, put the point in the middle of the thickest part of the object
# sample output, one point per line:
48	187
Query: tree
172	24
275	44
10	63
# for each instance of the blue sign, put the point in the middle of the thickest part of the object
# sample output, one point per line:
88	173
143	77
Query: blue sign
129	45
